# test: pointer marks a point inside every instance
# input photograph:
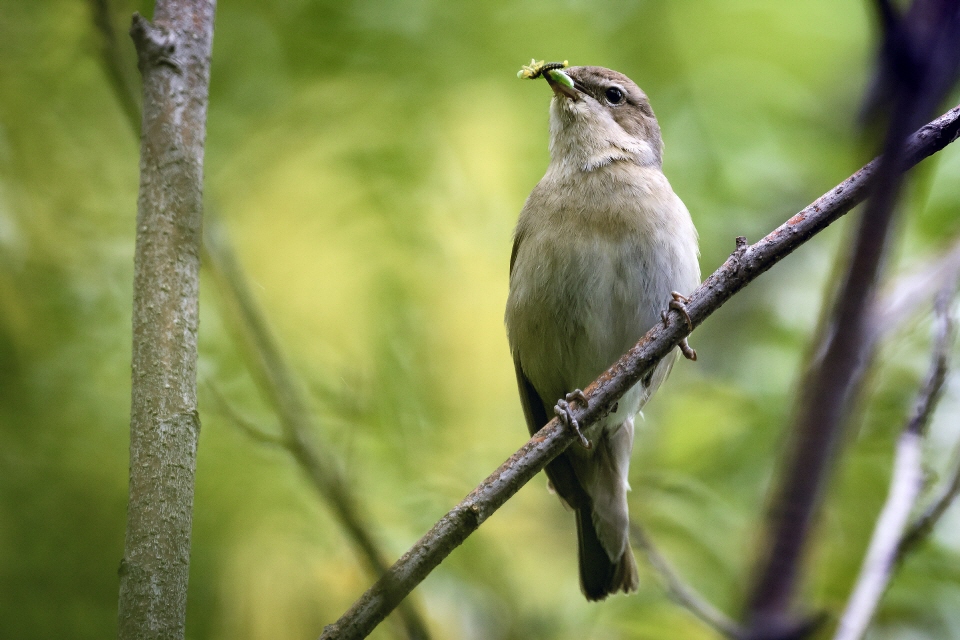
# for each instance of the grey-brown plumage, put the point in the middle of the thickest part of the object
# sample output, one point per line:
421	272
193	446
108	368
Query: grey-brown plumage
601	243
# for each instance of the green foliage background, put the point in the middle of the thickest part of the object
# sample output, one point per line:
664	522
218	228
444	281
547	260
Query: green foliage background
369	159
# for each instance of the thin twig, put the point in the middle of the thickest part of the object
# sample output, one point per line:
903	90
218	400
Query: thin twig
923	525
681	592
906	481
741	268
920	528
912	290
933	387
905	484
251	430
119	75
278	382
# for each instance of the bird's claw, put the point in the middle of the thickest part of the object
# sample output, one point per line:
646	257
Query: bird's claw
577	395
565	413
679	304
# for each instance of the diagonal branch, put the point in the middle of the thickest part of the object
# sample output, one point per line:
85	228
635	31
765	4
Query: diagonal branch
251	430
277	380
741	268
906	481
920	528
679	591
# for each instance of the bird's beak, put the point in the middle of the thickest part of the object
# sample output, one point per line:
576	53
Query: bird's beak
562	84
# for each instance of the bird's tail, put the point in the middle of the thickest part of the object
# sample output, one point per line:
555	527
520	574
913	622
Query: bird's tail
599	575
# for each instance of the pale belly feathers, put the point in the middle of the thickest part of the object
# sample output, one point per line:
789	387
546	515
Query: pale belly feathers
586	283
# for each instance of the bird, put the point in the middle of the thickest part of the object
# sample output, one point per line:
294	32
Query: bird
602	249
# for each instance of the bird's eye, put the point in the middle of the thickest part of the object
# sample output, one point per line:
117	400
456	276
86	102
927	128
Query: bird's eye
614	95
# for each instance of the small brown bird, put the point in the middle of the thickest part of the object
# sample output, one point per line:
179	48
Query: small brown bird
601	248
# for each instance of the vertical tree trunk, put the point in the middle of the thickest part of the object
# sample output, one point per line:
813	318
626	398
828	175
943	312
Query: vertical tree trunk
174	61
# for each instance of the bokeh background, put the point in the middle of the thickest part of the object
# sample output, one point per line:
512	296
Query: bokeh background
368	159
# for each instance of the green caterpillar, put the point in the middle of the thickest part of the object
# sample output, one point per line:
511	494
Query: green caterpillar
536	69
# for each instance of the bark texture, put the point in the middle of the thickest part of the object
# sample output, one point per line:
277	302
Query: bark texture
174	61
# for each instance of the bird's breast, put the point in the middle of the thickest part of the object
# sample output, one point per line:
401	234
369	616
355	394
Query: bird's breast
595	264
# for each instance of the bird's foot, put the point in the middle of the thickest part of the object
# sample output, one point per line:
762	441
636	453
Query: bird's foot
679	304
565	413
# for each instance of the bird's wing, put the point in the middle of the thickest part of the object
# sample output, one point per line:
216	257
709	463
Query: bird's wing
517	239
560	470
533	409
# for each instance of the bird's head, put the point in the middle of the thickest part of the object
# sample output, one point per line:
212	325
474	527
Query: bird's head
599	116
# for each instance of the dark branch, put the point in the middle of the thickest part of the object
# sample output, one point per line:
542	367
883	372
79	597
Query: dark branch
916	76
745	265
906	482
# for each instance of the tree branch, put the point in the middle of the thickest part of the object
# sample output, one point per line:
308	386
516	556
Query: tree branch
251	430
906	481
745	265
913	290
278	382
917	69
174	56
920	528
112	59
679	591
